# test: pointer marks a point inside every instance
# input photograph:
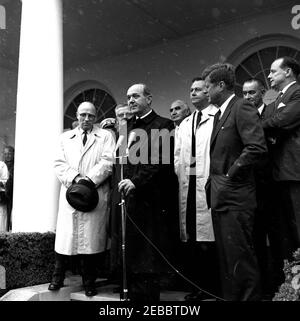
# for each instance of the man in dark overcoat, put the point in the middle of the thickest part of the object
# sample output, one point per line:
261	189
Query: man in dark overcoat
150	188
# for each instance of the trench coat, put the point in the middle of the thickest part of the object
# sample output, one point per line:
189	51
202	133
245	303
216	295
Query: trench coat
182	160
78	232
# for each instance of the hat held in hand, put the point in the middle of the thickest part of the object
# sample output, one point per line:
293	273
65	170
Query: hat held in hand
83	196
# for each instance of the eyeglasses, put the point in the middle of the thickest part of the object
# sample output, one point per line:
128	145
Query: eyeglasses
90	116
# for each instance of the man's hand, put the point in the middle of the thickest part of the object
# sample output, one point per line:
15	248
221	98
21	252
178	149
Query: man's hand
79	177
126	186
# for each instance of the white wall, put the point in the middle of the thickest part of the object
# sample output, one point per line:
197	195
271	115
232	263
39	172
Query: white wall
169	68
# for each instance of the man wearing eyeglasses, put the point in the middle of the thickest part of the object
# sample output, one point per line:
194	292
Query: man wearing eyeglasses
84	155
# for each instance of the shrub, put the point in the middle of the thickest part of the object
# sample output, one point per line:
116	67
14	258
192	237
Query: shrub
290	289
28	258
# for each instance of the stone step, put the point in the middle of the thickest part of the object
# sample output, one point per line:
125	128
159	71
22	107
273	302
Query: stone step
41	293
106	293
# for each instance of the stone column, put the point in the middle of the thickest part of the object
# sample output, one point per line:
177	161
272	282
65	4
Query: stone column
39	119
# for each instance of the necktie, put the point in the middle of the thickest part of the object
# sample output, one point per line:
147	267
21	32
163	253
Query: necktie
199	115
84	137
278	99
191	197
216	120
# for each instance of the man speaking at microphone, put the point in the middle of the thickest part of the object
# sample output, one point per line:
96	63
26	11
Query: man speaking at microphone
150	190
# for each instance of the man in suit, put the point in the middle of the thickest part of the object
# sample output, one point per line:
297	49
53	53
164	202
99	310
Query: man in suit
284	125
192	168
237	144
84	155
266	224
150	188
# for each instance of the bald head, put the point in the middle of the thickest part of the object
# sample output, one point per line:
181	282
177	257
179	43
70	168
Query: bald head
86	115
139	99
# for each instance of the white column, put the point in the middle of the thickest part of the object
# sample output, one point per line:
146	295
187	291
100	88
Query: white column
39	118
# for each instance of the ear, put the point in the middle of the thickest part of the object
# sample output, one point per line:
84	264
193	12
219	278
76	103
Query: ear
222	84
149	99
288	72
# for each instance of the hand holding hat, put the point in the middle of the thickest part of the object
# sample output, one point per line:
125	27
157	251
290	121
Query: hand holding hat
83	195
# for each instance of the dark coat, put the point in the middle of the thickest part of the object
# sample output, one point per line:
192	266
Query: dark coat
237	144
284	124
153	205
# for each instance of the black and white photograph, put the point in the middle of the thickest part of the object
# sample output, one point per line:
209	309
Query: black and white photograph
150	154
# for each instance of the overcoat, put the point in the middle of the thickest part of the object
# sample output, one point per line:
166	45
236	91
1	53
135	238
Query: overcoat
152	206
182	161
78	232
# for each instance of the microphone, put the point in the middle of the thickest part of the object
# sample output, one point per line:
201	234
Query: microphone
131	139
118	144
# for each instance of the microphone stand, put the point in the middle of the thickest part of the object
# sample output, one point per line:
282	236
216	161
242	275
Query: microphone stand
123	224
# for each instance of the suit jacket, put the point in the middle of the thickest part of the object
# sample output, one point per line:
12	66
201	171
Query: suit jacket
153	205
237	144
285	125
263	170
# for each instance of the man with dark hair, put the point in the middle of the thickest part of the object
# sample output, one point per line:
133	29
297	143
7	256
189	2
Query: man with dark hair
237	144
253	91
284	124
150	189
192	168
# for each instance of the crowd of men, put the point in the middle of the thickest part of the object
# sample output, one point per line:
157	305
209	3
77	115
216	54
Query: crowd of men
221	185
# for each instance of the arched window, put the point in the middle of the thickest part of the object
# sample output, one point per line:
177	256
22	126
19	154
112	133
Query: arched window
88	91
256	64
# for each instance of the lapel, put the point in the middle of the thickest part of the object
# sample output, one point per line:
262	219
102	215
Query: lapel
204	119
262	115
287	94
223	119
89	143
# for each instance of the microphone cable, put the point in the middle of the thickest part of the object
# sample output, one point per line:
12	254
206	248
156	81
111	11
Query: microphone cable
169	263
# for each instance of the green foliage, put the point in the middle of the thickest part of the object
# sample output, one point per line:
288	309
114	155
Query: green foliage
28	258
290	289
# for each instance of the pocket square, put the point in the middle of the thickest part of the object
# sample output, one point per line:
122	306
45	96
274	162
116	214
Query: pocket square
280	105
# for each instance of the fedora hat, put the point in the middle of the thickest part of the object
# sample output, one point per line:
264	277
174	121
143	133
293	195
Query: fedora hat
83	195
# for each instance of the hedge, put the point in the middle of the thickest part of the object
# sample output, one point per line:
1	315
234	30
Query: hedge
28	258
